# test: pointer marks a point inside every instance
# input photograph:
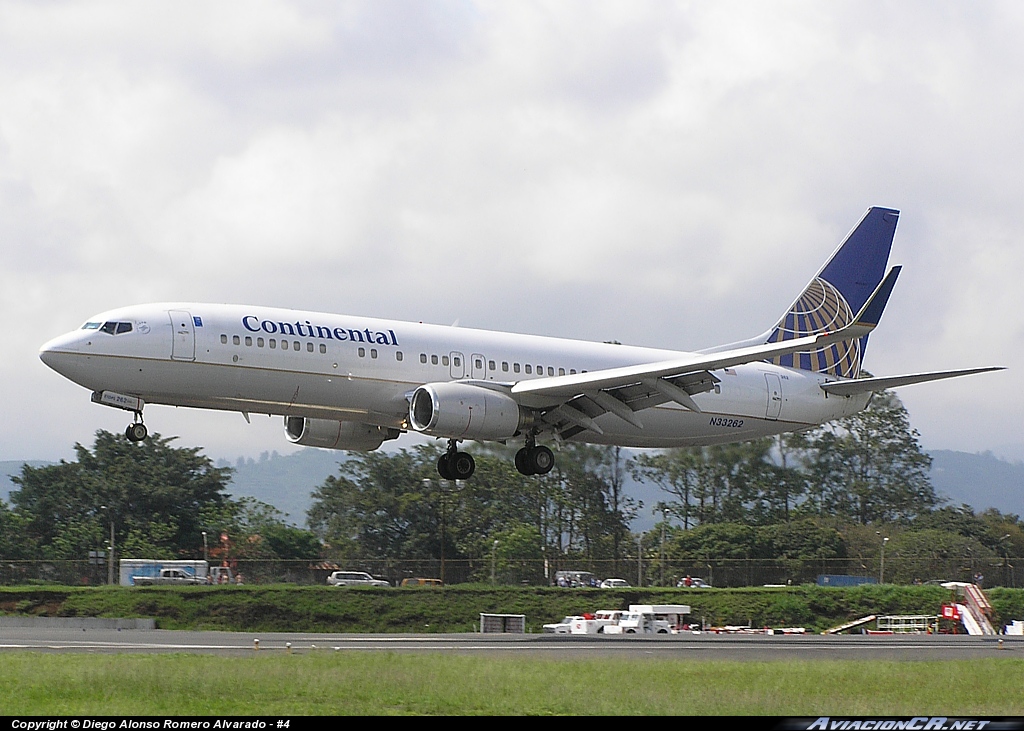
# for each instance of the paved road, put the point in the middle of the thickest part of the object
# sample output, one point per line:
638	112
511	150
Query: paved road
698	647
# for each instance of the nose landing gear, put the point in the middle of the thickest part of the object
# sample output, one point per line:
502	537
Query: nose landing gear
136	431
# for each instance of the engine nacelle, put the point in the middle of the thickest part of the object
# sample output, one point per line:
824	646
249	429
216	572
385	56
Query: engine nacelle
330	434
464	411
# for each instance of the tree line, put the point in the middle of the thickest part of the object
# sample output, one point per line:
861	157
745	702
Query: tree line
834	492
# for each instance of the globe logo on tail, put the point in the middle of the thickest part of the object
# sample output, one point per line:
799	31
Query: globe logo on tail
821	308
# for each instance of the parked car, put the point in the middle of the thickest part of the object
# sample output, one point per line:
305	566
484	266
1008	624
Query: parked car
354	578
421	582
695	583
614	584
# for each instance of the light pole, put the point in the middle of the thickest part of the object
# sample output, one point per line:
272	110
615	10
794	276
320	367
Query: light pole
494	560
881	566
110	556
206	549
639	560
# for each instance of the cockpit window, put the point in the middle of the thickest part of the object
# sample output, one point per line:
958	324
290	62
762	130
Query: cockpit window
91	326
116	328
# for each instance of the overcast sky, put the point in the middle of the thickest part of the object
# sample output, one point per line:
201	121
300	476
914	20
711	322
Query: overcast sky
666	173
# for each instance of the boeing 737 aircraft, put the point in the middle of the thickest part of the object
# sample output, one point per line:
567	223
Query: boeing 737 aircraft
345	382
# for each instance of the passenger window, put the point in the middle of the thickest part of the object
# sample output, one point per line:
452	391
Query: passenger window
236	340
529	368
423	357
362	352
433	360
478	364
504	366
373	352
458	361
296	345
491	366
309	347
515	367
273	344
248	340
561	371
259	342
284	345
572	371
323	348
398	355
224	339
444	360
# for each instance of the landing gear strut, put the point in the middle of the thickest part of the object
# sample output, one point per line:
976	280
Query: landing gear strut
455	465
136	431
534	460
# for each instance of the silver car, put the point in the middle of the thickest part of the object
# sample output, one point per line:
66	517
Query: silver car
354	578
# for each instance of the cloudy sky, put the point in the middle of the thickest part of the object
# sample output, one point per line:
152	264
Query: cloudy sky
660	173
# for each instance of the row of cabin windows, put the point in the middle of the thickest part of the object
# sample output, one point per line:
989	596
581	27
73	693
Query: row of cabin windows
295	345
492	366
444	360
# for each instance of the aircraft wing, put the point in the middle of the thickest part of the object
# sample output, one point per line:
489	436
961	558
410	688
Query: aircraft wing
863	385
571	403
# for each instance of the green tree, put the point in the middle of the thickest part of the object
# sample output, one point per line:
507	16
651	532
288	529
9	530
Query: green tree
870	467
152	493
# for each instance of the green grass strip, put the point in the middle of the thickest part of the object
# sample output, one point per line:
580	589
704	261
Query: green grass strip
332	683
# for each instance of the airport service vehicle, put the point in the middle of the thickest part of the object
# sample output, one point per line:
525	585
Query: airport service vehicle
596	623
354	578
561	628
659	619
344	382
614	584
135	571
169	576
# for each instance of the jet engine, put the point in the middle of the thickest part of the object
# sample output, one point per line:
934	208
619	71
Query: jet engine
331	434
464	411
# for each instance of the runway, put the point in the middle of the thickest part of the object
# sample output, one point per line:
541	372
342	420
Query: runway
688	646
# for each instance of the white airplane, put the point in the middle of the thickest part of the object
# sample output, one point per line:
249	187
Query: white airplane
344	382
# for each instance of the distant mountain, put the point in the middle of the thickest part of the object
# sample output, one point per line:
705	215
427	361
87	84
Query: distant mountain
979	480
283	481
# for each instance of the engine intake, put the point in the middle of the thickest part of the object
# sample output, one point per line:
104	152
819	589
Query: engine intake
330	434
464	411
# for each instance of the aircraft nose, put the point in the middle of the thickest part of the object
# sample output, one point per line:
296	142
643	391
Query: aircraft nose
54	353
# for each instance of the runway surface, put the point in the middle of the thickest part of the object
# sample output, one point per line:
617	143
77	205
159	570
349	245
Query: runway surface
689	646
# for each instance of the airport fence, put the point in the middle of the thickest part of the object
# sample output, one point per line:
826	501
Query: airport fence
1007	572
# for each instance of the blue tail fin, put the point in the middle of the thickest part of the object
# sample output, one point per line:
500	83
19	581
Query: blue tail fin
835	296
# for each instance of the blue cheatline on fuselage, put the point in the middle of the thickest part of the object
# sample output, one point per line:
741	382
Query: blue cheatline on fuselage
836	294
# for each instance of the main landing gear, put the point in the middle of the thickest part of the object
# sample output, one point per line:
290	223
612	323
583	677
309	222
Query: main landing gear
136	431
534	460
455	465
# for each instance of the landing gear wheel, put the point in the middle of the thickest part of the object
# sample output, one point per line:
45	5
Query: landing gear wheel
461	465
541	460
443	467
523	462
136	432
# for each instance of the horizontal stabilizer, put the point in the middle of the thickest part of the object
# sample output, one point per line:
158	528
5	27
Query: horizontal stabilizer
863	385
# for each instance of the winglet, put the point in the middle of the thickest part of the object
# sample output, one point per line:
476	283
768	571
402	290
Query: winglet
872	311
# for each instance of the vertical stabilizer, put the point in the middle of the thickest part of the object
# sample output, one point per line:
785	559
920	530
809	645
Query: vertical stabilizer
834	297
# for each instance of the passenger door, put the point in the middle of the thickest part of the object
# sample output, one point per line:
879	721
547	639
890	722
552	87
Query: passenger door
183	334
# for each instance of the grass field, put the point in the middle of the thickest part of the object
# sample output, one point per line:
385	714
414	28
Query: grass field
329	683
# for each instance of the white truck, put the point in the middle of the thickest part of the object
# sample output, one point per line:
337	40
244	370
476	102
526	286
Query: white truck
649	619
595	624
